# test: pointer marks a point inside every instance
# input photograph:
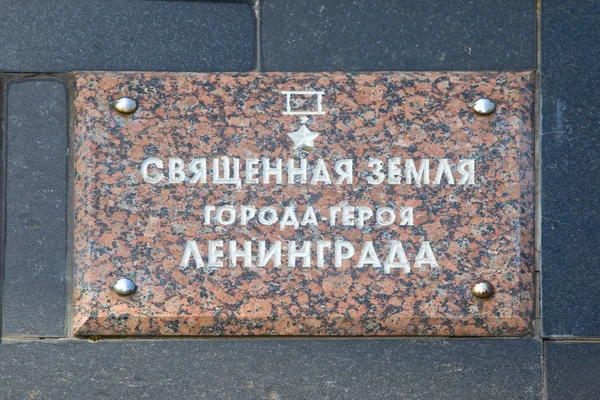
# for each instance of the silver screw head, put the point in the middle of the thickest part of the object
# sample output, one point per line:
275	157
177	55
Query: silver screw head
484	106
482	289
126	105
124	287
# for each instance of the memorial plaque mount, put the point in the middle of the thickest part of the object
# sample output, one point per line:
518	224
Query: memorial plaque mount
303	204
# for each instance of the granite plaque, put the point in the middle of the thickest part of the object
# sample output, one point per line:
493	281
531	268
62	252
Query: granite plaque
303	204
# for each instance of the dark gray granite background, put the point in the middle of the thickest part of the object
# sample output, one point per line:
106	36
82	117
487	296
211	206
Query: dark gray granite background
67	35
35	259
298	35
572	370
273	369
571	169
325	35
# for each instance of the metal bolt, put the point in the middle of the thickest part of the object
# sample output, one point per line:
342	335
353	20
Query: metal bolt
126	105
482	289
484	106
124	287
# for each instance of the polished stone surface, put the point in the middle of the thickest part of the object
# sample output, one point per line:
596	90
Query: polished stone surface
67	35
390	35
572	370
35	268
441	369
140	227
570	169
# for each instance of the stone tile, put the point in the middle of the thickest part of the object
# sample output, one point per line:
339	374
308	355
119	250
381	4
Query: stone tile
36	209
66	35
464	35
570	169
273	369
572	370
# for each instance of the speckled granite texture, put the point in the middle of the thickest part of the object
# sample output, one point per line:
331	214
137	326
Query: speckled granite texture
126	226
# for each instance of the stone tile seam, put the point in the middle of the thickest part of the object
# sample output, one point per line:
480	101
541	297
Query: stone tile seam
537	173
74	339
3	164
257	11
543	371
537	197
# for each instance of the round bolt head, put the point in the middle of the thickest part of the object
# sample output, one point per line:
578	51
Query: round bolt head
124	287
126	105
482	289
484	106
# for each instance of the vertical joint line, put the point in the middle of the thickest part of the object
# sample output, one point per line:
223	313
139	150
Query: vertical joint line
256	6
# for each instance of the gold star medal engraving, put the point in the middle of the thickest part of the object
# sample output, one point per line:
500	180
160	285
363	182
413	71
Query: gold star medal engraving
303	137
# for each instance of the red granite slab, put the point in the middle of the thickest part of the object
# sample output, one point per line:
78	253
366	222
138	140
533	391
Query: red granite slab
478	225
